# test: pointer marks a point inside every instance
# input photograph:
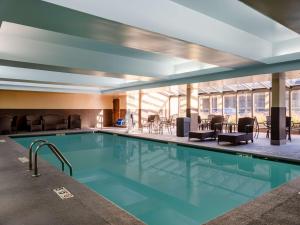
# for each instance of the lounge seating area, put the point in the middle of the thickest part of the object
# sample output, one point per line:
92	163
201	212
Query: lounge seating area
215	127
54	122
243	134
158	124
30	123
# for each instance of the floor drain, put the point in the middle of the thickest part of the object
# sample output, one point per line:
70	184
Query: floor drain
23	159
63	193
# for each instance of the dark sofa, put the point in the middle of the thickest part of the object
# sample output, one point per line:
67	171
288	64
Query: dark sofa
74	121
54	122
5	124
34	122
216	126
244	134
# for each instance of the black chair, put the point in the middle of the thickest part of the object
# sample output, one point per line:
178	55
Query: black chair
216	126
75	121
5	124
267	124
149	123
288	125
244	134
14	124
202	124
256	128
34	123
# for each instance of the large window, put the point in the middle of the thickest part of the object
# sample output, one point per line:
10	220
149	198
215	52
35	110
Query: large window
132	105
295	106
178	106
244	105
182	106
230	107
174	106
204	106
216	104
154	103
261	104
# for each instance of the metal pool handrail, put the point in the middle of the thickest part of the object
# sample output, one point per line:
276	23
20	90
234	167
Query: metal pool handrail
58	155
63	158
31	149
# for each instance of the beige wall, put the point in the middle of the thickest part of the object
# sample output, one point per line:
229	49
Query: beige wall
123	101
48	100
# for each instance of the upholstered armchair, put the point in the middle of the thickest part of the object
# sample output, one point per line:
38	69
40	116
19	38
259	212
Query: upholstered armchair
34	123
74	121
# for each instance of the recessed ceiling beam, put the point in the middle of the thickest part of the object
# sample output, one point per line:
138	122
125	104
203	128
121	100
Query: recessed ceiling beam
231	88
285	12
201	89
75	23
7	85
288	83
48	82
264	85
211	75
69	70
247	87
217	89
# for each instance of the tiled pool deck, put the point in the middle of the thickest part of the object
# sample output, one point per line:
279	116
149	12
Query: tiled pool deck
27	200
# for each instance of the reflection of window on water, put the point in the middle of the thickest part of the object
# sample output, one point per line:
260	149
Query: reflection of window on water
100	119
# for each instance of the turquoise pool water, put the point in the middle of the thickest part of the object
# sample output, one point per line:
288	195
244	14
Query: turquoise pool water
162	183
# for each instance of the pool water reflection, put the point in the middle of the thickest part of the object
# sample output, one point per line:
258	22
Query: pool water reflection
163	183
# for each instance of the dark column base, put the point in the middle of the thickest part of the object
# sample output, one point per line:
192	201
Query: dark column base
278	126
278	142
188	112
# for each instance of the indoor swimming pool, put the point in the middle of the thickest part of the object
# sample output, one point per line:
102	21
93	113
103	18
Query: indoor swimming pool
164	183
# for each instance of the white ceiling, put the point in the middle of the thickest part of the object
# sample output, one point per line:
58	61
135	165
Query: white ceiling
115	46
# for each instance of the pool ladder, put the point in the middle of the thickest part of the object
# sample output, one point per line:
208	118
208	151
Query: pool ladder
53	149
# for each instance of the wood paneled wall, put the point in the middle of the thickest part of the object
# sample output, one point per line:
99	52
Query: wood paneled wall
49	100
89	106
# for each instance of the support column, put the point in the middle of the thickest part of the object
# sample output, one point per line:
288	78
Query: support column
278	110
140	109
191	99
290	102
188	100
